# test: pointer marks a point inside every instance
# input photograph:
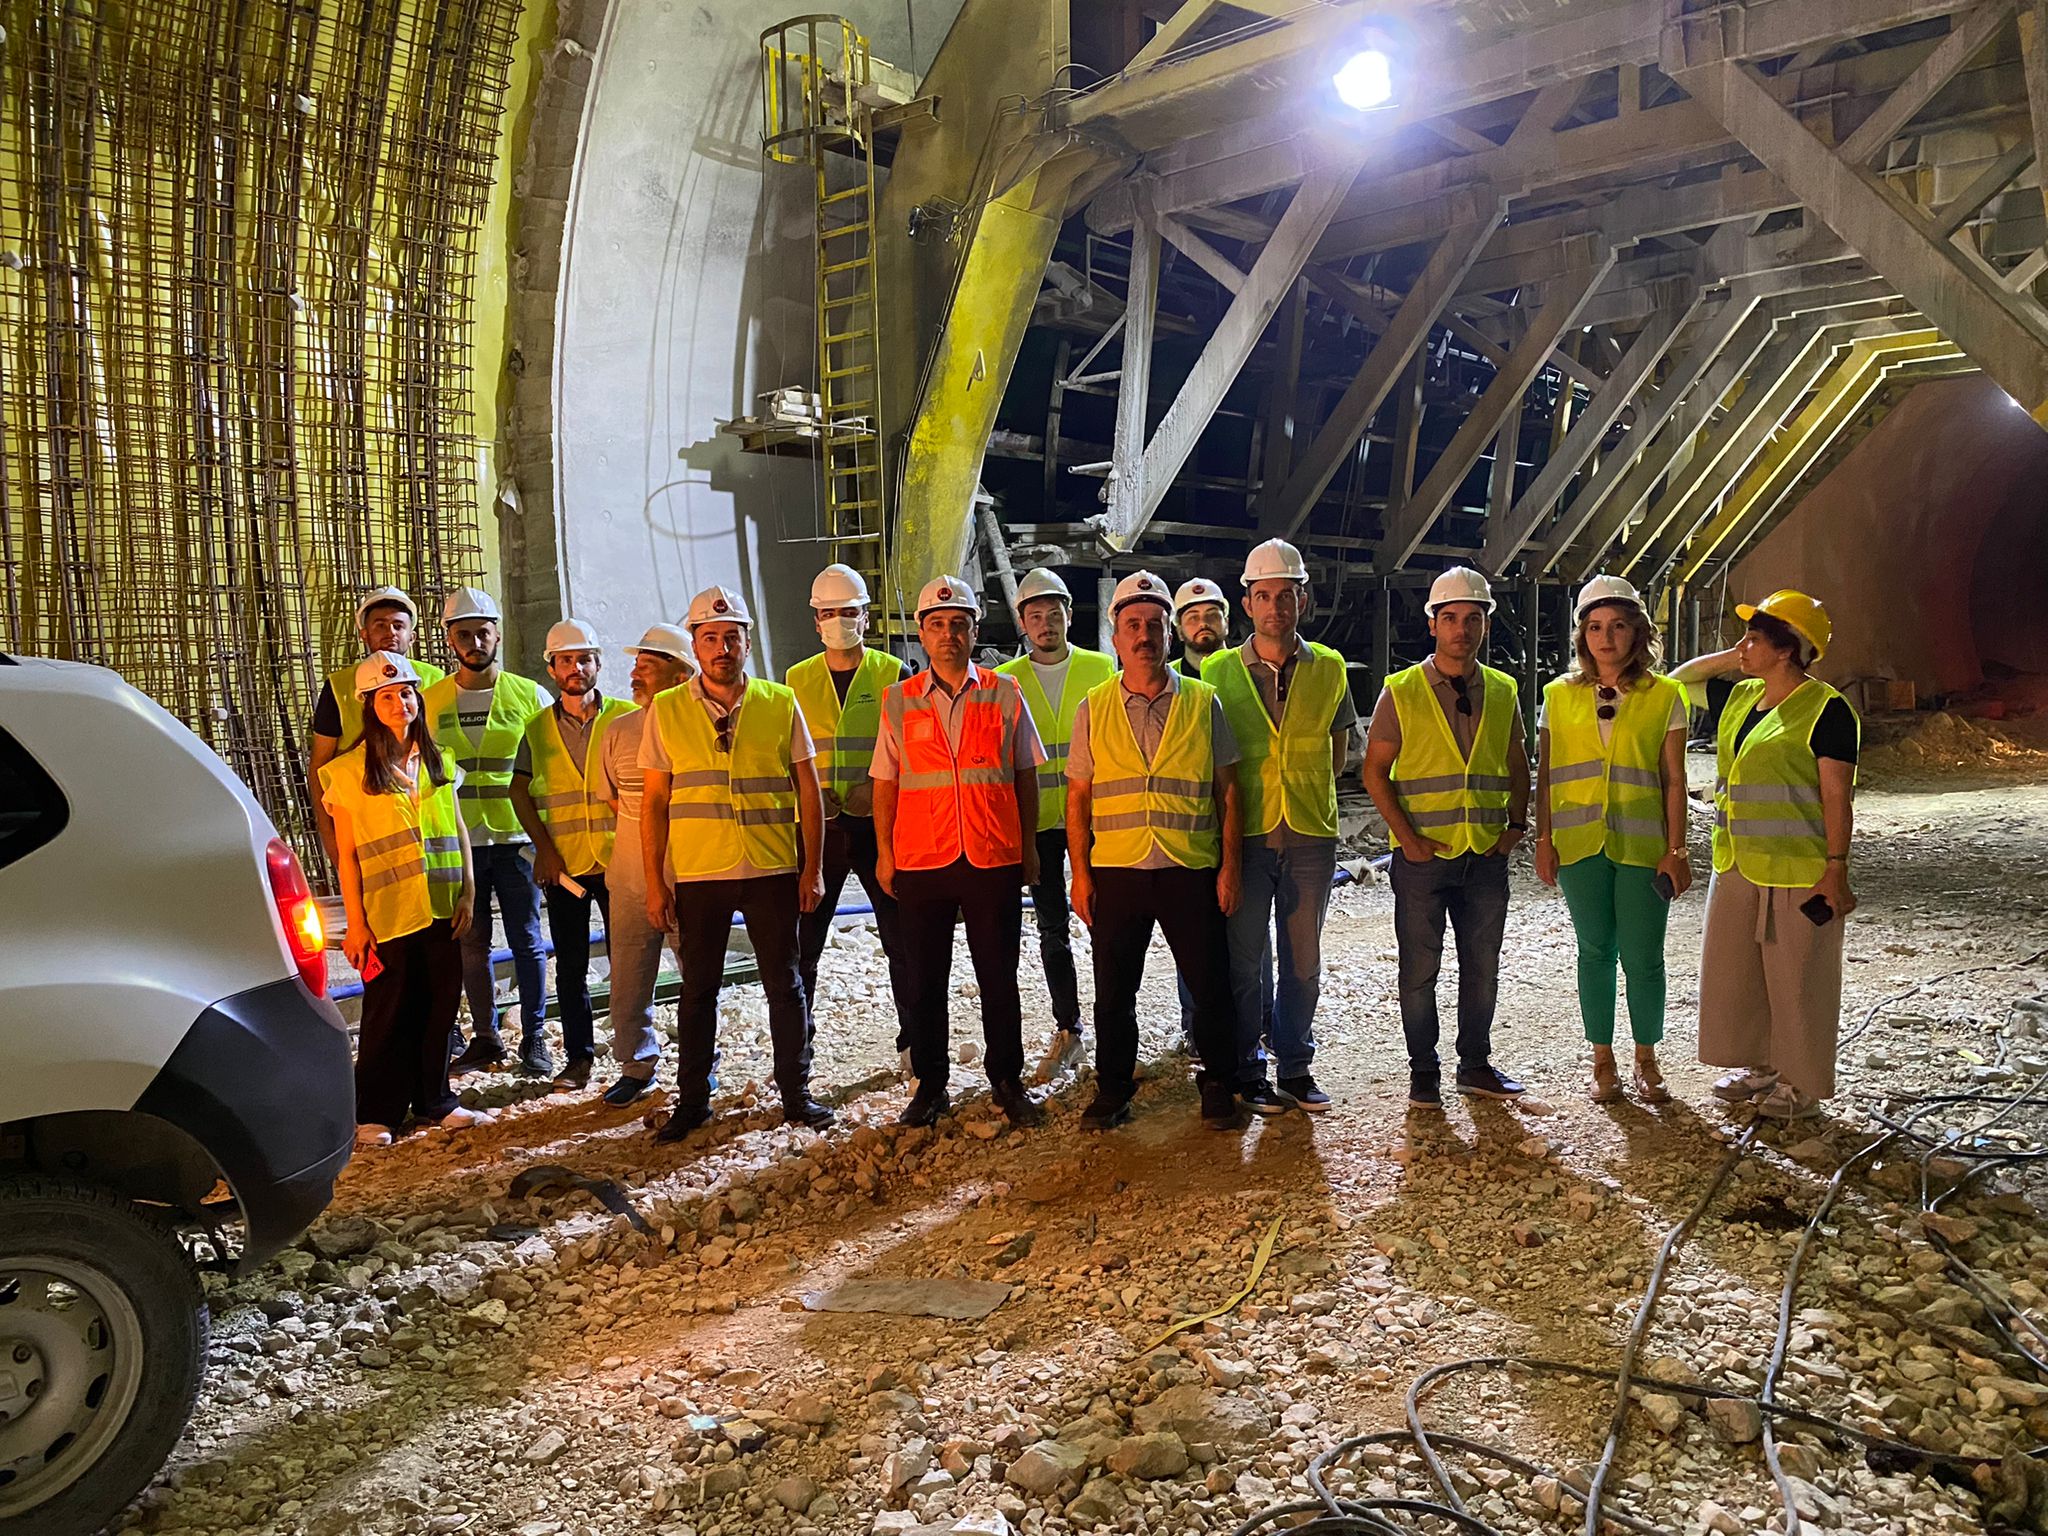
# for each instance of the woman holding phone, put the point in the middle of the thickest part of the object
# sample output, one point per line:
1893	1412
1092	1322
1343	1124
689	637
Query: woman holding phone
1610	822
1784	783
408	885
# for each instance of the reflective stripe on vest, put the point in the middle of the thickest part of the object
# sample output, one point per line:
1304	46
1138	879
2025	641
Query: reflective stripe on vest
727	806
1283	772
1608	795
952	805
843	733
342	684
1168	803
486	793
1462	805
408	848
1086	671
1767	807
581	823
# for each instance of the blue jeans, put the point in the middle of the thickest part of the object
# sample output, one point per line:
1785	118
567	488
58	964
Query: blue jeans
1472	891
1286	891
502	870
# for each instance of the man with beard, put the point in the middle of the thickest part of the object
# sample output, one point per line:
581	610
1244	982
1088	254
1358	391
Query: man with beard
556	798
661	661
478	715
1201	617
1152	825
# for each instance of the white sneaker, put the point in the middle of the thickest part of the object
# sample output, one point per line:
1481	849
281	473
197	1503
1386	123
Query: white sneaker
1066	1050
1754	1083
1785	1102
373	1136
459	1119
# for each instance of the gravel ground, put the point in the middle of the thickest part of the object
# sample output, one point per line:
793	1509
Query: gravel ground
439	1356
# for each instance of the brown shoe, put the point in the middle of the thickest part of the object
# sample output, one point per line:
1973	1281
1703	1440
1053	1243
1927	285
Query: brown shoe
1648	1080
1606	1087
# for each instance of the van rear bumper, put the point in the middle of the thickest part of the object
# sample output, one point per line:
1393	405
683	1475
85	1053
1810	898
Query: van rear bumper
264	1082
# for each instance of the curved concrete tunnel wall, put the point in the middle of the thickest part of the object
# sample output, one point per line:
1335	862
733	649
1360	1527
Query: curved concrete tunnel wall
686	290
1928	543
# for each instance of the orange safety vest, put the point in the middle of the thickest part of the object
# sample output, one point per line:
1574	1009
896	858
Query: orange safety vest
952	805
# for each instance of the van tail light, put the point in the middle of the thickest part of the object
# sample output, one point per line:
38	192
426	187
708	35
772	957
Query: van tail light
300	913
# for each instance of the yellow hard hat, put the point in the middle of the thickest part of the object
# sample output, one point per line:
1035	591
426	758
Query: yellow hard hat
1805	616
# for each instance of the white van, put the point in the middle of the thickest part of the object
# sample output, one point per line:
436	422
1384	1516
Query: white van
164	1036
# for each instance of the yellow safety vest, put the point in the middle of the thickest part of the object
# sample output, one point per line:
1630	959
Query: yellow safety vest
1608	795
843	733
581	823
1284	771
1168	803
1767	810
342	684
408	847
1463	805
727	806
1086	670
486	792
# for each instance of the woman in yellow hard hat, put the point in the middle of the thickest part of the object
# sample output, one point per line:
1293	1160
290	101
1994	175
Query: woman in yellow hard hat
409	886
1610	821
1784	782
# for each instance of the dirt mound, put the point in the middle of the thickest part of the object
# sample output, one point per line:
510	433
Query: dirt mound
1942	743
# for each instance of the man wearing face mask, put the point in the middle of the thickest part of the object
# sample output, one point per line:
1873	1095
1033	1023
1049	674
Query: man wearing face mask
840	694
1201	617
478	715
555	796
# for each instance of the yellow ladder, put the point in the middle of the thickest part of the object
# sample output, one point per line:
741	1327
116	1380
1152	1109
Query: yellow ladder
816	110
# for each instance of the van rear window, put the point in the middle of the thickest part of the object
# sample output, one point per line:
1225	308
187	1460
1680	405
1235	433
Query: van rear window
32	808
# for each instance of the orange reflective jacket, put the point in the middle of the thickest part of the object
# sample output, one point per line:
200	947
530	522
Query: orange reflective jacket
952	804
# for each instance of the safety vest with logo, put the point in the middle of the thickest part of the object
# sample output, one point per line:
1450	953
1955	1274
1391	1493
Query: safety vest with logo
342	684
1085	670
1608	795
732	805
1463	805
408	846
1168	803
581	823
1284	772
950	803
843	731
486	793
1767	808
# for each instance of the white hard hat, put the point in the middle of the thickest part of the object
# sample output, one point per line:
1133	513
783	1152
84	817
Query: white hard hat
668	640
1605	589
949	592
718	605
569	635
469	603
838	586
1198	589
1040	582
376	597
1460	584
1140	587
1274	559
381	669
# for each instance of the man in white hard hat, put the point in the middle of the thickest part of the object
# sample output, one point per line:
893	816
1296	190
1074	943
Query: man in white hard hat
556	797
1288	701
733	823
956	811
1201	617
478	715
1055	677
840	693
661	661
1446	764
1153	827
385	621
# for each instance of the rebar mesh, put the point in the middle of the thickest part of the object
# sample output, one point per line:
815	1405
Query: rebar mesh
238	242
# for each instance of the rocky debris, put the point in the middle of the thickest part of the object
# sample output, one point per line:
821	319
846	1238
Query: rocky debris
1161	1454
1738	1420
1196	1414
1045	1466
1100	1501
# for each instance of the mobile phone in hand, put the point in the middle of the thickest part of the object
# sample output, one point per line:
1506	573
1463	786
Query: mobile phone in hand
1664	887
373	967
1817	911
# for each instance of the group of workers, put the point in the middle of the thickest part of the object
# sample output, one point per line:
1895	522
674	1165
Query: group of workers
1197	795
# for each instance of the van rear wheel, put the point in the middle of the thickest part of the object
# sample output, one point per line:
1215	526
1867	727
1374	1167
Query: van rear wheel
102	1342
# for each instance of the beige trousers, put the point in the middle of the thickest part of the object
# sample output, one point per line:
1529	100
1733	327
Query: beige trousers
1770	984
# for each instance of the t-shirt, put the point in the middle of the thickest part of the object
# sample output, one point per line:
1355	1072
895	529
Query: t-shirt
1680	718
1148	718
654	756
618	776
1386	720
1834	733
1052	679
327	713
1021	747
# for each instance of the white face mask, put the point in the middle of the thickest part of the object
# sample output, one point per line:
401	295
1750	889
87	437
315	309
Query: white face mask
840	634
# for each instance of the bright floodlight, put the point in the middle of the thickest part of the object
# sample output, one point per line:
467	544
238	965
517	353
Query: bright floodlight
1365	81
